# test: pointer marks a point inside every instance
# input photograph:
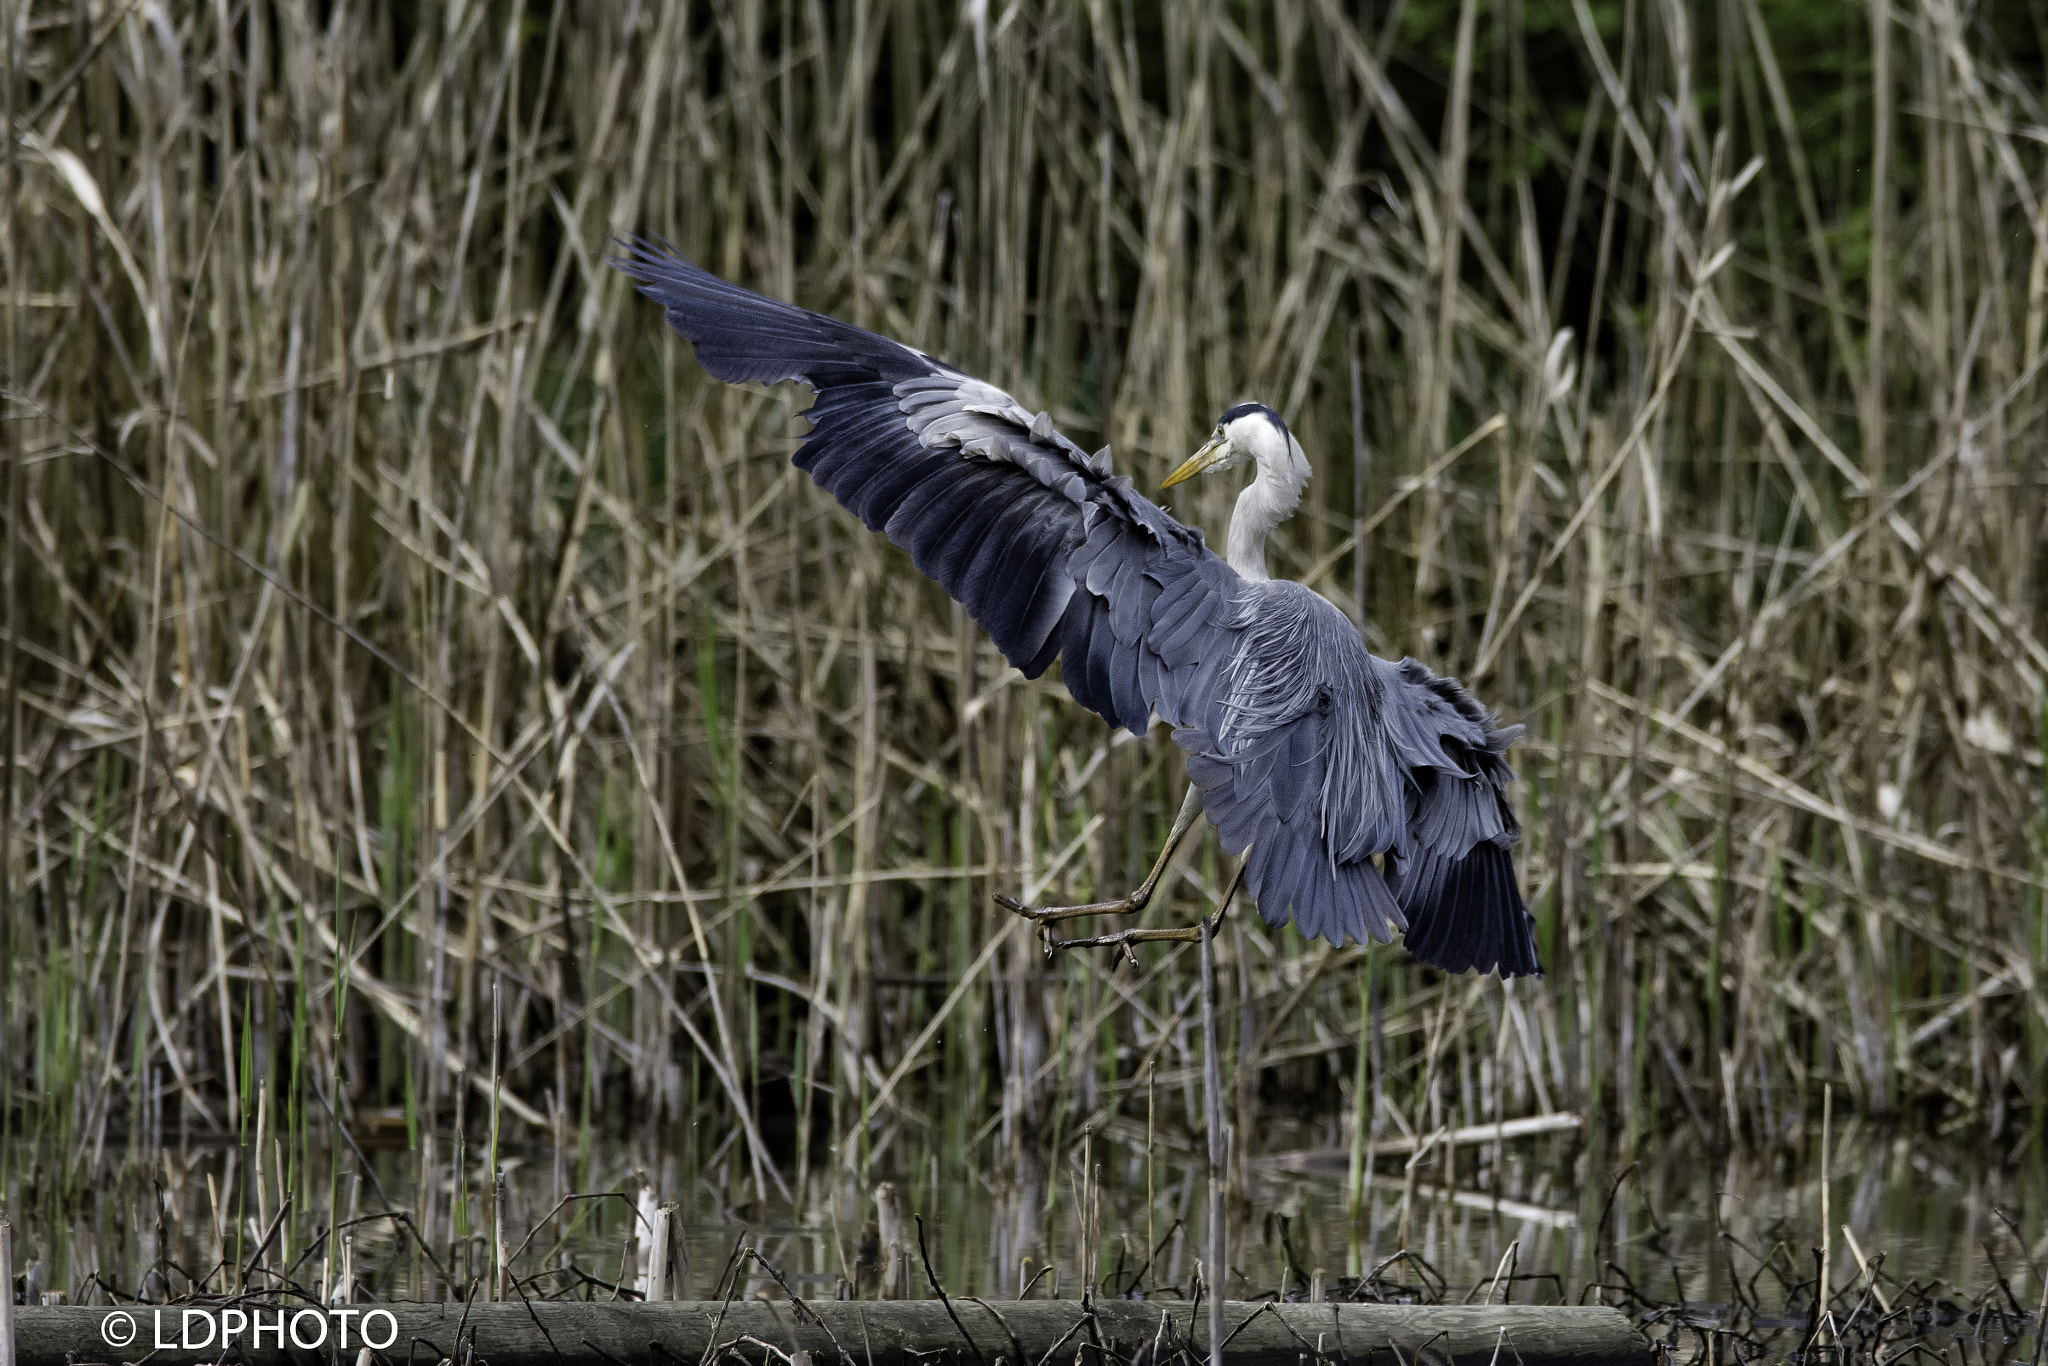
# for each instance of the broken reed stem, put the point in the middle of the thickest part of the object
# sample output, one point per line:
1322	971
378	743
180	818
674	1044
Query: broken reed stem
1214	1273
1827	1226
6	1292
498	1269
2041	1321
1151	1165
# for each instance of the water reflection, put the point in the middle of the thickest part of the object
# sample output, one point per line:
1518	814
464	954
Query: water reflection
1543	1220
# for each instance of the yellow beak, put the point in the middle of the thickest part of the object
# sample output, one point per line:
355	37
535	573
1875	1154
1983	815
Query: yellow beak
1201	460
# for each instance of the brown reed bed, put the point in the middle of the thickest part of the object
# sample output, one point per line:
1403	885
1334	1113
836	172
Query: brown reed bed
432	699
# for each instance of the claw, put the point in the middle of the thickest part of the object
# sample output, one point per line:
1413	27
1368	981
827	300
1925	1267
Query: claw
1037	915
1045	918
1047	915
1123	939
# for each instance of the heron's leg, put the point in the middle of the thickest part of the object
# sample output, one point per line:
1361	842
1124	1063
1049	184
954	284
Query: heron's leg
1190	808
1184	934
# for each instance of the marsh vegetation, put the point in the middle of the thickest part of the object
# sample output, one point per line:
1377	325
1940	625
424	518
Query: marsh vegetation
440	712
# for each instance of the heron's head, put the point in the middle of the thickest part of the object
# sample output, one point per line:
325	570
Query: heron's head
1250	433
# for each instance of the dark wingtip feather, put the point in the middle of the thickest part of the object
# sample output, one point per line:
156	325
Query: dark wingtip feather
1477	919
741	335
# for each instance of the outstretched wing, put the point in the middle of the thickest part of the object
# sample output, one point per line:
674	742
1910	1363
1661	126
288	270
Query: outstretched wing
1455	877
1057	558
1052	554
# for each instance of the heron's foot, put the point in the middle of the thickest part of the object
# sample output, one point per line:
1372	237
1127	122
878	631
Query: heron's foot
1048	915
1123	939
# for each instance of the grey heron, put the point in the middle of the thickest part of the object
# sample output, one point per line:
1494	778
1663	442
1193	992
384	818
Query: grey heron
1372	796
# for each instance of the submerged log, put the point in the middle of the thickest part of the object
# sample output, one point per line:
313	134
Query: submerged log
824	1333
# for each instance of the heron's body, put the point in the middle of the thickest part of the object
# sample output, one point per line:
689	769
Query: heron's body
1372	795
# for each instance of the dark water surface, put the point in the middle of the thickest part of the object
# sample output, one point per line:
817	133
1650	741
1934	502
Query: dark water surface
1681	1226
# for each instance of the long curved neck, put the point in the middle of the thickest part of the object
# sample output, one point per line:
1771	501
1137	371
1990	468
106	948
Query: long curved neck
1268	501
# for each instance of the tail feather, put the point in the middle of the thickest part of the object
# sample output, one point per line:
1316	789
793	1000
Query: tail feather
1468	914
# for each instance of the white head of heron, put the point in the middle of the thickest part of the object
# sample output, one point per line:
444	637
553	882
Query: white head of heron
1252	433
